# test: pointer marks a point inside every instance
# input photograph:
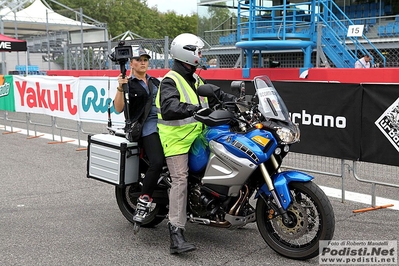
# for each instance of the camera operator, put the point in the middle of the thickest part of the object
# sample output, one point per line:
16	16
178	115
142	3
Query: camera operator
139	85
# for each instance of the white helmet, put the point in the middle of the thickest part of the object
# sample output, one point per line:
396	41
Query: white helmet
186	48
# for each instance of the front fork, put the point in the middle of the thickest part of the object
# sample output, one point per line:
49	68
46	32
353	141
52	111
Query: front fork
270	186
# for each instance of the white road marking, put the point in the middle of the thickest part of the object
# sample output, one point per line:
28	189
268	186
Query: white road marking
359	197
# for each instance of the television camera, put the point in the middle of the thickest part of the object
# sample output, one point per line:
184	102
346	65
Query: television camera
121	53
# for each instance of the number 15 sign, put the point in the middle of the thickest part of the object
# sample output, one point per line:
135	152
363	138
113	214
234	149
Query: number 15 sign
355	30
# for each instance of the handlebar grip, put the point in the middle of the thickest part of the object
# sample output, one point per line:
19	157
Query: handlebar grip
204	111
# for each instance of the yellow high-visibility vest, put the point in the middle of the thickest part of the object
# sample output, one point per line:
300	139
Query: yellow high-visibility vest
178	135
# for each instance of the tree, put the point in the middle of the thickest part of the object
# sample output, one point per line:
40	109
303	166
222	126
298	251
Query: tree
133	15
218	21
176	24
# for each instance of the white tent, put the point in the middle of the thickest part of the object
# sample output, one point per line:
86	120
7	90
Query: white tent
37	19
40	22
5	11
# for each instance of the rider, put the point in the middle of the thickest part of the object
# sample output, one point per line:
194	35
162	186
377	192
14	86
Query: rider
177	101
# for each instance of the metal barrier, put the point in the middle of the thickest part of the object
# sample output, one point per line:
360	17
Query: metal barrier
60	128
30	122
341	168
376	169
317	165
11	123
53	126
327	166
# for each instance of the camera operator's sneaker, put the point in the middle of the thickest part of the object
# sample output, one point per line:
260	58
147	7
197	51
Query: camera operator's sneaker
142	208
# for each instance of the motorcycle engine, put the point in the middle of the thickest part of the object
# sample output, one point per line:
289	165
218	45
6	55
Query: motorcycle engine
201	204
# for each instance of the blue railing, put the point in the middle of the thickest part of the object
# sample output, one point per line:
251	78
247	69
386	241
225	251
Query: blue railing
277	22
288	23
335	39
32	70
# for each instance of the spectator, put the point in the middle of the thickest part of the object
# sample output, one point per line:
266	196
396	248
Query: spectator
363	62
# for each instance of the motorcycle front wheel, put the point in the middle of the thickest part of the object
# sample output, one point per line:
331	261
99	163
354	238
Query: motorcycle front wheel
126	198
313	220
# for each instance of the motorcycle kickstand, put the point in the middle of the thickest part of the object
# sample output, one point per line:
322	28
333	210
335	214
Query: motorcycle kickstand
136	227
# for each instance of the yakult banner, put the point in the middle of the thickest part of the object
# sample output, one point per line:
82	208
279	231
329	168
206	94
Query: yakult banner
83	99
55	96
96	95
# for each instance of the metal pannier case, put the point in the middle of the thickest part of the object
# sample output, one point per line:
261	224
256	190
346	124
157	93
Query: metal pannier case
112	159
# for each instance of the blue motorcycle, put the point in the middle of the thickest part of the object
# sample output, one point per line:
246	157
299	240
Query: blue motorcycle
235	164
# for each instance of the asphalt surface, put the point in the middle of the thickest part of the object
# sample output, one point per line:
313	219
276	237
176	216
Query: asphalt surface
51	214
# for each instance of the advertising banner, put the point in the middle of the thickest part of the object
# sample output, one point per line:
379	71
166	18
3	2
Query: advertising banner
328	115
54	96
83	99
380	124
97	94
7	93
346	121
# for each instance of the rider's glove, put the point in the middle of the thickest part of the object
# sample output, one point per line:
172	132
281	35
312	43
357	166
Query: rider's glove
192	109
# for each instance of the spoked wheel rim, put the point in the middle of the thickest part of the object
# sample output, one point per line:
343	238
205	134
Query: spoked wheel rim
305	224
312	220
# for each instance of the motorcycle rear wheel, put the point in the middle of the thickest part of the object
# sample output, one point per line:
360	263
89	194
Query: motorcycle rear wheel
313	218
127	196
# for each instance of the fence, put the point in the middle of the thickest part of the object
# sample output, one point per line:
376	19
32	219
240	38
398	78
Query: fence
334	167
65	131
220	48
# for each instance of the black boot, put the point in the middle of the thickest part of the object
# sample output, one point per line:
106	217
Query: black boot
177	242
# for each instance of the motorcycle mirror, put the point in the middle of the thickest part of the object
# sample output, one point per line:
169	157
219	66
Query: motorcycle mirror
238	88
207	90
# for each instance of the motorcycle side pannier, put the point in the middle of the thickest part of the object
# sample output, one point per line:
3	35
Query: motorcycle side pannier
112	159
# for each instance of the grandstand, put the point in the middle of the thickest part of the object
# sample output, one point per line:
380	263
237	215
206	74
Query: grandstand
239	34
303	34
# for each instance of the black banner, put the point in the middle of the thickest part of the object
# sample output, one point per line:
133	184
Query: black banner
11	46
328	117
346	121
380	124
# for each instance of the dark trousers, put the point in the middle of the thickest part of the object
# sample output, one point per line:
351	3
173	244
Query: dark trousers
154	151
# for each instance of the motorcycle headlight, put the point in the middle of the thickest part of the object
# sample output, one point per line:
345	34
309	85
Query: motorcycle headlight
288	135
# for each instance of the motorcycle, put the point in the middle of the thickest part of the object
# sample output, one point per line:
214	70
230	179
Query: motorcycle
237	160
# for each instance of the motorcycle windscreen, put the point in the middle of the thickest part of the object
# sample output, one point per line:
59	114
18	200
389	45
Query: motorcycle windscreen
271	105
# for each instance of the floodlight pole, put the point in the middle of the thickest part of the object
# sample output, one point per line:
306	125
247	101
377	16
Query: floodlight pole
81	38
14	9
3	57
48	42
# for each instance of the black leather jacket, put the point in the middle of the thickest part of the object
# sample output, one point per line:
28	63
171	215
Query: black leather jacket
171	107
138	97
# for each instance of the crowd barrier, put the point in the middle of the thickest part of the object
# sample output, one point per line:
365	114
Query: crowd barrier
325	134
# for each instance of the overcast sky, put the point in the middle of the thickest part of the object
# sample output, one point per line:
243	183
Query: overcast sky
181	7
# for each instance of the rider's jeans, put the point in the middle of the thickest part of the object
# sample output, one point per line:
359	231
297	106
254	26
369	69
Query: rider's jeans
178	168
